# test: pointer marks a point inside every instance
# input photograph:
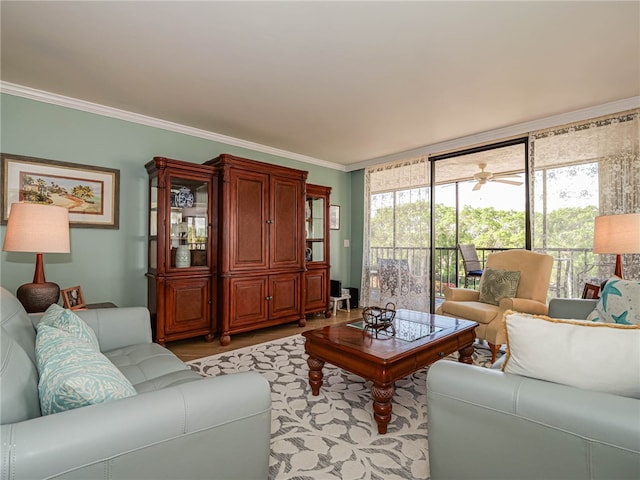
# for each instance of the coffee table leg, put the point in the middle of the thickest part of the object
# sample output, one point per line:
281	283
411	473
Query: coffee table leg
466	355
315	374
382	395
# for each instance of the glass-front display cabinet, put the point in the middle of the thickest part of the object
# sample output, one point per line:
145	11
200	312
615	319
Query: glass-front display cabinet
317	275
181	249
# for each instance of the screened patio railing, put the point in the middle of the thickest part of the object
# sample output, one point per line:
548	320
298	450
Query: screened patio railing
573	267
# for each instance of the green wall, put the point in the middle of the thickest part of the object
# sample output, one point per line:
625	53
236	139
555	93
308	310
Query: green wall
110	265
357	225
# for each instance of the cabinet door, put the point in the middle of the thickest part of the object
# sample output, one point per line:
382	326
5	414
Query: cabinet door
287	228
284	293
188	305
248	301
317	296
247	217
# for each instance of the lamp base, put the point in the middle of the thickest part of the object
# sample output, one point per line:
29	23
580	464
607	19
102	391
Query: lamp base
618	270
37	297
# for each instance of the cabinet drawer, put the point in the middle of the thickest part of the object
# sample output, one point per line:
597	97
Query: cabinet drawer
316	295
284	295
188	305
248	305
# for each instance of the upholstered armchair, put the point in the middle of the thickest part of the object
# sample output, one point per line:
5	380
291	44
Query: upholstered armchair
530	296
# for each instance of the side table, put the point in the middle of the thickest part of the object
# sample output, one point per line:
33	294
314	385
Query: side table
101	305
336	300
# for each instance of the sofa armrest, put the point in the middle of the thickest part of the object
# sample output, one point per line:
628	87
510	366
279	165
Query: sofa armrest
539	429
216	427
524	305
118	327
576	308
461	294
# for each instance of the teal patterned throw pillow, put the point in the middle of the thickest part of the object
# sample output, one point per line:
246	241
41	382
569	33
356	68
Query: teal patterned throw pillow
498	284
73	374
66	320
619	303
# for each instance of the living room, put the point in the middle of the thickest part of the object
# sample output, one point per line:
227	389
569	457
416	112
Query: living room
105	127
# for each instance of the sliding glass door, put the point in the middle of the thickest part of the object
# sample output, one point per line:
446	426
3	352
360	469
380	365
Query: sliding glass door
480	198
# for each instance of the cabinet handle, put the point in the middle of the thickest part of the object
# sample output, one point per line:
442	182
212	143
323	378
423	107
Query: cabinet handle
268	297
269	221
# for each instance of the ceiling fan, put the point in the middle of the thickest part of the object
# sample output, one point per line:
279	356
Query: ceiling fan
483	177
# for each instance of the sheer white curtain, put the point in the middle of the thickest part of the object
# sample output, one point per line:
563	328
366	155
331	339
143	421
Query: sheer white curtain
579	171
397	235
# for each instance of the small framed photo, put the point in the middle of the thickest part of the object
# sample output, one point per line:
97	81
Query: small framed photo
591	291
334	217
73	299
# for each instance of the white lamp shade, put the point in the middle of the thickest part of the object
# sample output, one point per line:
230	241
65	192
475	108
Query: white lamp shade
37	228
617	234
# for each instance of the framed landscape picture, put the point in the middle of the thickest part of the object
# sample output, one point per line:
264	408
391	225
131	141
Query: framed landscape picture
91	194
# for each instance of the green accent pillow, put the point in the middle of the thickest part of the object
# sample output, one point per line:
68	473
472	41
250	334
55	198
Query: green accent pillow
619	303
498	284
66	320
73	374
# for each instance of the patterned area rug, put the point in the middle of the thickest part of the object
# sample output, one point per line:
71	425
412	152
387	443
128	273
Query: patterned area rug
333	436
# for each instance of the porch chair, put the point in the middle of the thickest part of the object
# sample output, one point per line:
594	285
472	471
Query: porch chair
471	262
530	295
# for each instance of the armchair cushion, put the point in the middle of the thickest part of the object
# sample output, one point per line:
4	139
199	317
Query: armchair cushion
66	320
619	303
592	356
74	374
497	284
476	311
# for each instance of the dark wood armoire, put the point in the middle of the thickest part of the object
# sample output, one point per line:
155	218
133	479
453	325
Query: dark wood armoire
261	245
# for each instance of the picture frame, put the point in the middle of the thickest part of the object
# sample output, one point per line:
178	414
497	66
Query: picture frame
591	291
334	217
73	298
92	194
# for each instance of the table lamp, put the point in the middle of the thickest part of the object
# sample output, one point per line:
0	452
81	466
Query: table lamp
617	234
39	229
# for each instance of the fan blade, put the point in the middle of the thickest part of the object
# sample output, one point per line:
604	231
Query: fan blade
477	187
506	175
510	182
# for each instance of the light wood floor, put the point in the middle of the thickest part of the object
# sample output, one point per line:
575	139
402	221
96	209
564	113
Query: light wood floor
193	348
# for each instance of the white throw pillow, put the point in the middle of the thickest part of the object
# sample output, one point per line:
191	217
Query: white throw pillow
619	303
592	356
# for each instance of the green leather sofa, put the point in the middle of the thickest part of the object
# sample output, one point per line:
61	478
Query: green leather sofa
486	424
178	426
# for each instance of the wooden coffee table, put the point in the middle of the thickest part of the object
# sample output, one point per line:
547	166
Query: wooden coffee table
421	339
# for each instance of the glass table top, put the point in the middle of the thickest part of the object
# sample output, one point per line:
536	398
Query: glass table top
409	325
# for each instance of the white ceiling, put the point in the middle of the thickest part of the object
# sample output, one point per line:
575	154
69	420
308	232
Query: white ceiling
343	82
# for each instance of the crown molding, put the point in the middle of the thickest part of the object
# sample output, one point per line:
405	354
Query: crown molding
454	144
511	131
76	104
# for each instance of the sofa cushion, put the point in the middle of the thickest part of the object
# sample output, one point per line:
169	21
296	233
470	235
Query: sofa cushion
619	303
65	319
591	356
19	393
498	284
73	374
149	366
